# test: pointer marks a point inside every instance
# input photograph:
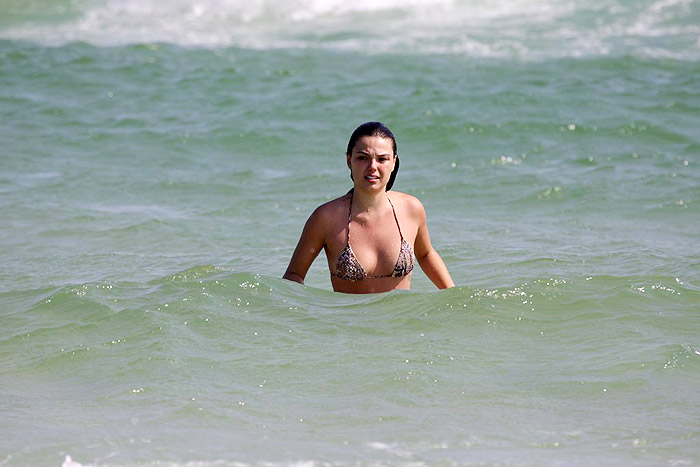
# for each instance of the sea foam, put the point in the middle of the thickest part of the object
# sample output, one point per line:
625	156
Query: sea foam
525	29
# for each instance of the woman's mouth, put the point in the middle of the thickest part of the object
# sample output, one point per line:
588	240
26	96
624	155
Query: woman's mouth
372	178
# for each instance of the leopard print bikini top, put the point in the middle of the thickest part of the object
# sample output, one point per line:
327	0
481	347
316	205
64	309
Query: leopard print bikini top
348	268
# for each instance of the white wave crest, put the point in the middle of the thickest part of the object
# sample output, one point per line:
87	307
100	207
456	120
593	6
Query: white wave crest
499	28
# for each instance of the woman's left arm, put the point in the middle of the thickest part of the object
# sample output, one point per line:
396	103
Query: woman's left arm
430	261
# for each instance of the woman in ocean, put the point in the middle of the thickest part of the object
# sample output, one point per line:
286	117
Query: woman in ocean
371	233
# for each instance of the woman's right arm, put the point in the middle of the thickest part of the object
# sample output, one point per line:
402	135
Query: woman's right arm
310	244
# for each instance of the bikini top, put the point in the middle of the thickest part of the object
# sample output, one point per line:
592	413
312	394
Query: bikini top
349	268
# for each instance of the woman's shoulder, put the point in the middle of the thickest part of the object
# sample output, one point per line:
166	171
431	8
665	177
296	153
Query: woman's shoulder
406	202
330	210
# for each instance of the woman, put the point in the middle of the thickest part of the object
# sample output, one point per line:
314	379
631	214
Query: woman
370	234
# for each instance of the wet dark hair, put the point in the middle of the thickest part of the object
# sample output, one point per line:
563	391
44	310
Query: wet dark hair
374	129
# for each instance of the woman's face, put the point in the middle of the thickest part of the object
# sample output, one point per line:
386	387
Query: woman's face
371	162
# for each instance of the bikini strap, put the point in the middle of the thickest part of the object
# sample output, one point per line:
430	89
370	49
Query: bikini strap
350	215
395	218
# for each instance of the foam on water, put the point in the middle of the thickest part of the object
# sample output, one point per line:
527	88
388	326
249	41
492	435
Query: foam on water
526	29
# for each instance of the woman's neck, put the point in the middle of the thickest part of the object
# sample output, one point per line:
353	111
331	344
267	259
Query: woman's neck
368	201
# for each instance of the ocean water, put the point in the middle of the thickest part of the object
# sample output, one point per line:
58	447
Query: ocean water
158	161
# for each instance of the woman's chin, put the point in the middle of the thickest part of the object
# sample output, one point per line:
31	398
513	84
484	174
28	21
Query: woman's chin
371	185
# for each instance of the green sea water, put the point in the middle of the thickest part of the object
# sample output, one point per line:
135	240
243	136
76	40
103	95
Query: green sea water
157	164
